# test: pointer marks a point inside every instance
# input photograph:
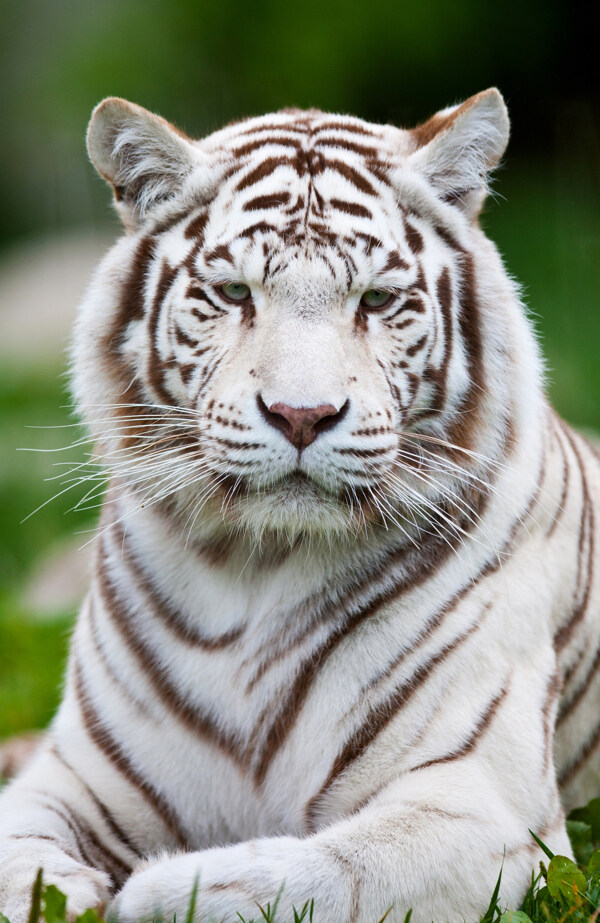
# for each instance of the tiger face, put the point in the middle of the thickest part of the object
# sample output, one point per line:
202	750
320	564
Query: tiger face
289	339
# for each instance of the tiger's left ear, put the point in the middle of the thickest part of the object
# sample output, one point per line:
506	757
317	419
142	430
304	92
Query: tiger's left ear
457	147
144	158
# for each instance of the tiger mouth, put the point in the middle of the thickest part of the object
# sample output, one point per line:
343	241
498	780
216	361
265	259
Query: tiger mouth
300	486
296	481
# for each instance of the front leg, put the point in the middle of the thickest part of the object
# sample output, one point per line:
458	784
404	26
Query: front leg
427	842
51	819
237	880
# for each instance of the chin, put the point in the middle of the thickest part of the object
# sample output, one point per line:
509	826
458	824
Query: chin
293	510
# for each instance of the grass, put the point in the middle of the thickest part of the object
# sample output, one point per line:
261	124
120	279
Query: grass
32	652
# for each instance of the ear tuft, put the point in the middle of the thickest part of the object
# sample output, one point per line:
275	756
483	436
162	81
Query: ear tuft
143	157
458	146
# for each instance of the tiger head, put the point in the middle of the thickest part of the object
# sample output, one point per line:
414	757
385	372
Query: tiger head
303	331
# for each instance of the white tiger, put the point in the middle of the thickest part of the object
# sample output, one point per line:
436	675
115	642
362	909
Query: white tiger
345	576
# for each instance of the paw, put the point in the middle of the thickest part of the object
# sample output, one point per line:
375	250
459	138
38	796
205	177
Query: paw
84	887
230	881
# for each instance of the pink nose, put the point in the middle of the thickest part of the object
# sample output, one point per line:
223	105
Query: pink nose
301	425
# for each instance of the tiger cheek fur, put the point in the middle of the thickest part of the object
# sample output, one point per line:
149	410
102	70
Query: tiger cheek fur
342	633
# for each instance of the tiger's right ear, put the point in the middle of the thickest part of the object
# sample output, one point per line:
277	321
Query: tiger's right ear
144	158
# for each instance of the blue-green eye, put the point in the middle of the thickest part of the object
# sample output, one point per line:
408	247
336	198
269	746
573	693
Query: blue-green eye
375	299
235	291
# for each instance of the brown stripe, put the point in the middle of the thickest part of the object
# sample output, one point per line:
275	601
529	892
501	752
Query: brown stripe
413	238
222	252
418	346
363	150
395	261
196	227
261	227
351	208
472	741
567	707
381	715
411	304
198	293
207	373
351	127
489	568
186	371
105	742
115	679
183	338
292	705
117	868
565	632
131	307
156	365
58	807
420	566
131	304
362	453
445	234
299	128
244	149
467	424
155	673
106	815
352	175
275	200
230	444
88	844
266	168
373	243
570	771
444	297
421	281
552	693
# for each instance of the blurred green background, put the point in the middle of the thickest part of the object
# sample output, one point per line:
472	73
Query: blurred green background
201	64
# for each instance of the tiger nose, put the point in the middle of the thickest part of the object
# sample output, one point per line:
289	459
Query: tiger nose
302	425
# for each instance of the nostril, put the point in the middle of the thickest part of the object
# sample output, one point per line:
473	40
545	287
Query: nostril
301	425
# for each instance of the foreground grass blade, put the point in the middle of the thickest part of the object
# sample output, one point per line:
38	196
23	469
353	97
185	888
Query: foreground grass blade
36	899
542	846
493	910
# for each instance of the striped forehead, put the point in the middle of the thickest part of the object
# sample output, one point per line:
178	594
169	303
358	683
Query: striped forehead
307	185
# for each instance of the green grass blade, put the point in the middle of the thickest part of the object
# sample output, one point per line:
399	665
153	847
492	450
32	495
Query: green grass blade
542	846
191	911
493	909
36	899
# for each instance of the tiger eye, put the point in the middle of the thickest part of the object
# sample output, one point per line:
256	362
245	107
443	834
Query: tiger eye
235	291
375	298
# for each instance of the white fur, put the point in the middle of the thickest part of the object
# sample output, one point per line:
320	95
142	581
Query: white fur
454	666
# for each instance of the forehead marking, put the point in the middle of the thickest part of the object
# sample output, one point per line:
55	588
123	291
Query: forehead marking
414	239
196	227
221	252
351	208
274	200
